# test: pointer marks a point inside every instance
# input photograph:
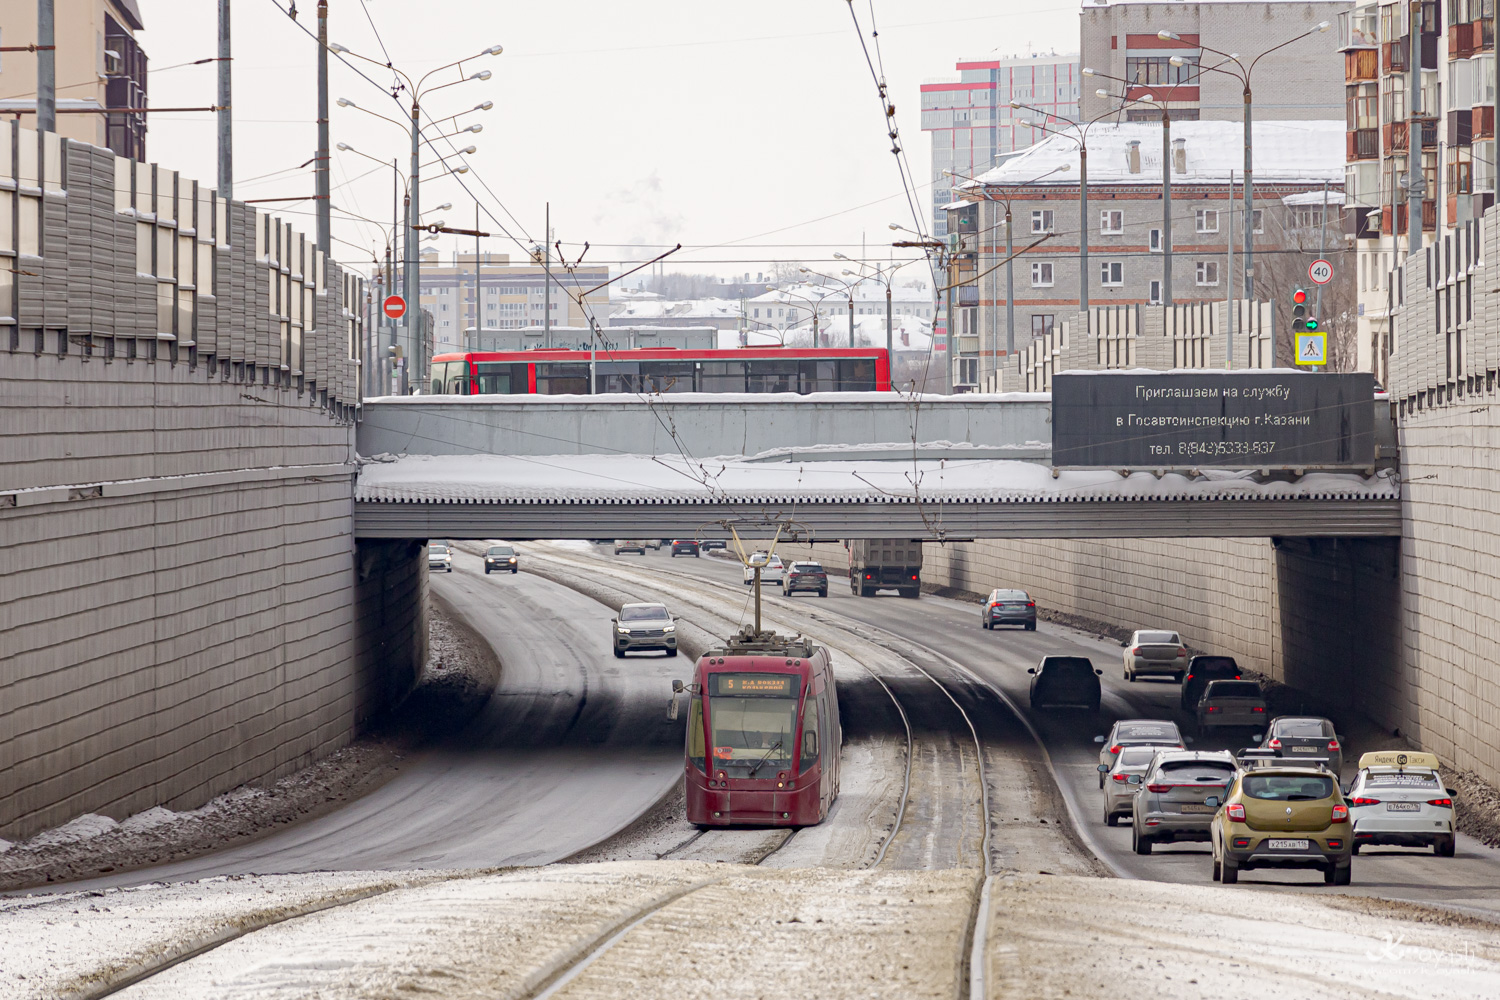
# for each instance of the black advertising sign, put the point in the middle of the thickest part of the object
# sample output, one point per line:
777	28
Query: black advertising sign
1213	419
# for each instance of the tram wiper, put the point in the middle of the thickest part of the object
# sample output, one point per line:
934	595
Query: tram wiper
773	748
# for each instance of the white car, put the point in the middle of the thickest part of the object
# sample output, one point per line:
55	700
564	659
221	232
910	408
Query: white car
1155	653
439	557
1123	779
1398	798
771	572
1160	733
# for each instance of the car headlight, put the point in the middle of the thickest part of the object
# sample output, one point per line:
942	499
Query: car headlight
512	559
622	630
670	628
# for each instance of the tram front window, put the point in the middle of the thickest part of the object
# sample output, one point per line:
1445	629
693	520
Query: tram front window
753	723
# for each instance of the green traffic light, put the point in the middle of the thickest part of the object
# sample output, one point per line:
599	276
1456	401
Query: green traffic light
1312	326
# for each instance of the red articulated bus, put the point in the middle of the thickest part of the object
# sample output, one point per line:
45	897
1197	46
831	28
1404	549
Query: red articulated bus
660	369
763	733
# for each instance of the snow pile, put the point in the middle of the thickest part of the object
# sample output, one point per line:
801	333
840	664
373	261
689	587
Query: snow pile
150	819
675	479
85	827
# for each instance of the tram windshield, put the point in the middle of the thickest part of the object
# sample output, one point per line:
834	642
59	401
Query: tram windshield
753	721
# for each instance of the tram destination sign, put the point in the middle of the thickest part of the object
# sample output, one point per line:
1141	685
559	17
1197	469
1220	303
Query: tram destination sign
1226	420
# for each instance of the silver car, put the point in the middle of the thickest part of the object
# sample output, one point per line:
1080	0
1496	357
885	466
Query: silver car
1150	653
644	627
439	557
1179	796
1123	779
1137	732
1227	704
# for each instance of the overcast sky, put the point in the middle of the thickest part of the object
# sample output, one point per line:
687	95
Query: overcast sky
747	132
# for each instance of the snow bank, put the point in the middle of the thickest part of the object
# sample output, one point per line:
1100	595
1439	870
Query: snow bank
85	827
675	479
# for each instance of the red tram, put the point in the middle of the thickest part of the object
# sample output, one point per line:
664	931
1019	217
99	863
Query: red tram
763	734
662	369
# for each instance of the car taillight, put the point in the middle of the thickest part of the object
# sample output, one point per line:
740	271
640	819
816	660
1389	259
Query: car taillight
1182	652
1121	777
1257	708
1360	800
914	576
1235	811
1340	813
1214	708
1115	748
1135	651
995	605
1445	803
1187	678
869	576
1031	604
1333	746
1158	788
1275	744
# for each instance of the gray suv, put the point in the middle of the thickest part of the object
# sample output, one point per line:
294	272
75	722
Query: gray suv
1179	796
644	627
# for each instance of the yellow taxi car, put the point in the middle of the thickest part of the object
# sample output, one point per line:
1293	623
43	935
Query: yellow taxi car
1282	817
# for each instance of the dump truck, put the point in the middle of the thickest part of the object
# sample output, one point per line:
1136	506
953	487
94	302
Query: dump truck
885	564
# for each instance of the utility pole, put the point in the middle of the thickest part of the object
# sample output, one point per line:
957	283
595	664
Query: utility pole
413	315
1229	276
478	284
889	344
1083	222
225	116
1166	206
46	69
851	315
1010	288
547	287
1322	235
325	242
1247	285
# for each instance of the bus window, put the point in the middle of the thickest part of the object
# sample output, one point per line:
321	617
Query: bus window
811	728
722	376
667	376
819	376
695	733
502	379
857	374
440	378
773	376
562	379
458	378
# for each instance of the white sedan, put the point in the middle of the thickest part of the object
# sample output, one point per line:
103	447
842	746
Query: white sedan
1124	780
770	572
1398	798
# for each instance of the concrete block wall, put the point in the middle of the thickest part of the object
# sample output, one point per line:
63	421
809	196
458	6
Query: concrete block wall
183	608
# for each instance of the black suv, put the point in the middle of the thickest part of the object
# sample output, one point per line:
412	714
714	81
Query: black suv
684	547
1065	682
1201	670
805	576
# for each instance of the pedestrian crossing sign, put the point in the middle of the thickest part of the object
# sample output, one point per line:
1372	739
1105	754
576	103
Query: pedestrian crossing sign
1312	349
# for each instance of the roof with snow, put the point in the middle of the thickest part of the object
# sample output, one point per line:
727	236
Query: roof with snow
1309	152
911	290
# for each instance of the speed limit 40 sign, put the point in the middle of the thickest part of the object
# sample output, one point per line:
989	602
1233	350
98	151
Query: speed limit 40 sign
1320	272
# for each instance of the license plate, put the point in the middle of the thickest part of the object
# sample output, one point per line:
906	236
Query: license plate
1198	807
1304	749
1287	845
1402	807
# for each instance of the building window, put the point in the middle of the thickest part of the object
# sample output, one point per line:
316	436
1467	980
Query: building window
1041	222
1206	220
1155	241
1154	297
1206	272
1041	273
1154	71
1111	272
1112	221
1041	324
968	371
1256	225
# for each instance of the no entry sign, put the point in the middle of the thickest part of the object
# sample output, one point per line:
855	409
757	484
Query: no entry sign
394	306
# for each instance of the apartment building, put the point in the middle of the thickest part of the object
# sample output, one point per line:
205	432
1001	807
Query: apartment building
1300	81
1451	122
972	123
486	291
1294	160
99	65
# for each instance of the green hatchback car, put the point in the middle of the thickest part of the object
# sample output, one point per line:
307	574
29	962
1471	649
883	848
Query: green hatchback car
1283	817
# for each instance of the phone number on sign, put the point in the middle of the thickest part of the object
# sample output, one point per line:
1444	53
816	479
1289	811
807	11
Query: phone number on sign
1225	447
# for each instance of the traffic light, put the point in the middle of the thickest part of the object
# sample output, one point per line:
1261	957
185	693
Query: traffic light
1310	324
1299	308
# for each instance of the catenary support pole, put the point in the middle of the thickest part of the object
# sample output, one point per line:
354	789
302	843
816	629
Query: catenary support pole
225	115
1247	286
1083	223
1010	287
547	286
1229	276
1166	207
413	315
320	172
46	69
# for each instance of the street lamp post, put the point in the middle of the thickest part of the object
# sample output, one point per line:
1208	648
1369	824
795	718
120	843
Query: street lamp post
848	288
418	95
884	275
1243	76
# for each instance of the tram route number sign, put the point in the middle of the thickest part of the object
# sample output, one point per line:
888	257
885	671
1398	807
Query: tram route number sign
753	685
1225	420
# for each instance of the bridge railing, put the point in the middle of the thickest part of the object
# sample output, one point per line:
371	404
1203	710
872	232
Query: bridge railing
108	259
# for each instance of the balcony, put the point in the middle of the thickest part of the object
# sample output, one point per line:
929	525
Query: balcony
1463	39
1359	225
1429	134
1363	144
1460	128
1394	56
1361	65
1483	121
1393	137
1429	217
